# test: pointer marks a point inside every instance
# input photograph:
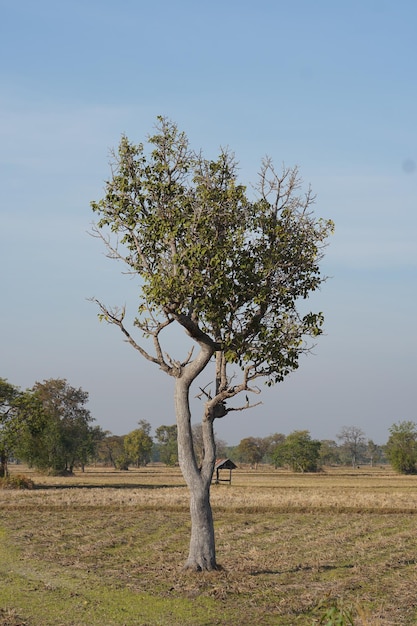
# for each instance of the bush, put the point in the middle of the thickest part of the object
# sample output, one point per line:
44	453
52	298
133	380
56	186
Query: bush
122	463
19	481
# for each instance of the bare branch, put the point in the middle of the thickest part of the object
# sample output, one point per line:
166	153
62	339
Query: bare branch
204	392
243	408
116	317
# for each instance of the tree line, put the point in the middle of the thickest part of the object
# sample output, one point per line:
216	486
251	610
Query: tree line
50	428
300	453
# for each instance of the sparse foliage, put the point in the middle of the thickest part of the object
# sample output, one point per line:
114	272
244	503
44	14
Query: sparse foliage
353	442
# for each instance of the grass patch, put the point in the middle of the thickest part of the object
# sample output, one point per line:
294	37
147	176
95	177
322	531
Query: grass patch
89	553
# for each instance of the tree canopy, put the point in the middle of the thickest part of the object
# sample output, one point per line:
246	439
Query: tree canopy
55	427
299	451
226	268
138	444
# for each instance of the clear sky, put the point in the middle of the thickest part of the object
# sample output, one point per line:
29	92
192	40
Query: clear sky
325	84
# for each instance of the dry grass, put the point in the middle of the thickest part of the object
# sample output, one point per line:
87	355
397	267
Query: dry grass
110	545
378	490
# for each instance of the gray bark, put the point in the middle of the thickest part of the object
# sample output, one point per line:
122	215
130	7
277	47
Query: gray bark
202	554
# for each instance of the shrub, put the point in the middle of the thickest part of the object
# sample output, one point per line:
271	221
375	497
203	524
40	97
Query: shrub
19	481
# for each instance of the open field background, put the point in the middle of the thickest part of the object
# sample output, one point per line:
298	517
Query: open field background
106	548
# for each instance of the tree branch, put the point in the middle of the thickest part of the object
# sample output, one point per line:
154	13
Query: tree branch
116	317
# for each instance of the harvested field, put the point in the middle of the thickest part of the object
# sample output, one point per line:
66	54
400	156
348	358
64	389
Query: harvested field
107	548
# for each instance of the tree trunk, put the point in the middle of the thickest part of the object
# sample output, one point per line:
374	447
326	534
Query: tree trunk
4	472
202	554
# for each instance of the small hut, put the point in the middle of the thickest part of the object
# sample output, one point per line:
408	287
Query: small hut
224	464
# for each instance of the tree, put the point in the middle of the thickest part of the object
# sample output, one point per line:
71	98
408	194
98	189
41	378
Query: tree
299	451
329	452
8	427
252	450
229	270
55	427
87	451
401	448
138	444
271	442
110	449
354	442
374	452
167	438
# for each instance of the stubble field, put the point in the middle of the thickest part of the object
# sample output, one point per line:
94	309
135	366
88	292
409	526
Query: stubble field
106	548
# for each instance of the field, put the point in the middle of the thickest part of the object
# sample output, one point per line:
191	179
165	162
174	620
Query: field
106	548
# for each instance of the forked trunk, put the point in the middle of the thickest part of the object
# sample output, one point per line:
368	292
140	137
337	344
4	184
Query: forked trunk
202	554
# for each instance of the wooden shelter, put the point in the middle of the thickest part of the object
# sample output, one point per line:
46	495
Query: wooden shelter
224	464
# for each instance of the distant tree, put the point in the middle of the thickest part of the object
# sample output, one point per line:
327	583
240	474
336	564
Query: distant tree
354	442
8	425
222	449
329	452
166	437
271	442
227	269
252	450
374	452
87	452
110	449
56	432
299	451
401	448
138	444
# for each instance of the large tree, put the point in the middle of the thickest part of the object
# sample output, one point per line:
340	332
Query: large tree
229	269
56	431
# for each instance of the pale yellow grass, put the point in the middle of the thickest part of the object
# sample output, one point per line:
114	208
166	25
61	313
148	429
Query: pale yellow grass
375	489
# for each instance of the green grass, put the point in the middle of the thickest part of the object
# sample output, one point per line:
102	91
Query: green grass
113	557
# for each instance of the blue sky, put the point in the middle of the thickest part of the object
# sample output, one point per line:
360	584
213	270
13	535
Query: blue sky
330	86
